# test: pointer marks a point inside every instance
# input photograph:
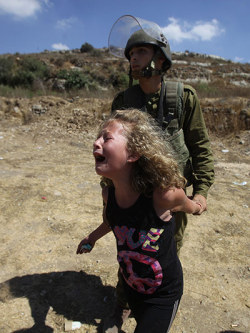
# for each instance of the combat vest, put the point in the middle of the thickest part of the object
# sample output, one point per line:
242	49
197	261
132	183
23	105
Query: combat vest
170	118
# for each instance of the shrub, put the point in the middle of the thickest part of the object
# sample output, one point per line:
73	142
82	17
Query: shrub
35	66
74	79
22	72
119	80
97	53
59	62
6	70
22	78
86	48
62	74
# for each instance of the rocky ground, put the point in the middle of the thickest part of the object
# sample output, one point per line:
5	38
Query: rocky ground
50	199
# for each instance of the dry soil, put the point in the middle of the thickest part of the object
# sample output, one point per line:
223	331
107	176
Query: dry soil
50	199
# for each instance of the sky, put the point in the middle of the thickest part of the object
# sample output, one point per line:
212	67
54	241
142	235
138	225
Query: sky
215	27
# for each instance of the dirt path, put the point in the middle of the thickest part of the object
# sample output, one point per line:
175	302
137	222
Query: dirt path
50	199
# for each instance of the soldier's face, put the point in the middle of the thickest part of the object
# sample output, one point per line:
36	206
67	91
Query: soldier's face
140	56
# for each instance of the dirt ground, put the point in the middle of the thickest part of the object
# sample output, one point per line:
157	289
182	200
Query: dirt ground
50	199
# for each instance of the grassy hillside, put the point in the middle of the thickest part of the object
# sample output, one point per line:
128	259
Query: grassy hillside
222	86
94	71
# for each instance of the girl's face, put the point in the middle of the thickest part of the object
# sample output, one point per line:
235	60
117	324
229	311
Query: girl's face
110	151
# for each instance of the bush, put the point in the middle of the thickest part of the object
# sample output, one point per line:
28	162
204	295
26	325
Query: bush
62	74
22	78
6	70
74	79
22	72
119	80
97	53
35	66
59	62
85	48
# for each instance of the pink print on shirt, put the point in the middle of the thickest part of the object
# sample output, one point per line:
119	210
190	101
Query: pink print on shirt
142	285
146	241
124	234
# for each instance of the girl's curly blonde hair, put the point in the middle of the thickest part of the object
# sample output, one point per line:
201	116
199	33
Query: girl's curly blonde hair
156	167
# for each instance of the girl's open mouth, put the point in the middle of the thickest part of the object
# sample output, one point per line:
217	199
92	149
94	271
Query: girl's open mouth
99	158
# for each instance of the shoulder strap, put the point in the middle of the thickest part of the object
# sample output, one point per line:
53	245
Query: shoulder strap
172	103
174	100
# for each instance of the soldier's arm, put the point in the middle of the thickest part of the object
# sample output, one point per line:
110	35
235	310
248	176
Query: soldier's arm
197	141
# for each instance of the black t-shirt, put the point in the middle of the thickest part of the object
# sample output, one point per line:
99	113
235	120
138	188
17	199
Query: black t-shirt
146	250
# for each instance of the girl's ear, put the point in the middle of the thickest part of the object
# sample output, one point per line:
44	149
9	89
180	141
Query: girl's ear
133	158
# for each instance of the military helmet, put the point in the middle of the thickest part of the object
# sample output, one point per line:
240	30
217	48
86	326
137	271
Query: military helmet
140	38
129	31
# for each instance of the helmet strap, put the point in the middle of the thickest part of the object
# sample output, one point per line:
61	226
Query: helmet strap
161	111
148	71
130	78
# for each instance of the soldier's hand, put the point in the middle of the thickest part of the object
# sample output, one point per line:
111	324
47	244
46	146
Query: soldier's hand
202	201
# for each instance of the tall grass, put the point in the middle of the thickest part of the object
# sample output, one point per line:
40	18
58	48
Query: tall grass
17	92
216	90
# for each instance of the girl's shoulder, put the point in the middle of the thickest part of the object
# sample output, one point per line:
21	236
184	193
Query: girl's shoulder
168	198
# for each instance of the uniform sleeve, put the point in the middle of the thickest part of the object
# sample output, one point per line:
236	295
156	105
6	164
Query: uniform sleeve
197	141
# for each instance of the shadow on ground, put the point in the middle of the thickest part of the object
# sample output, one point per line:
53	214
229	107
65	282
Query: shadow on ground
75	295
231	332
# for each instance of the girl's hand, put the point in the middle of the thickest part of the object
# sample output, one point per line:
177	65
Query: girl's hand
88	243
85	246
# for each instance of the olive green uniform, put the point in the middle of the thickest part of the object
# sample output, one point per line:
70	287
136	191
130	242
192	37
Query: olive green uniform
196	140
195	134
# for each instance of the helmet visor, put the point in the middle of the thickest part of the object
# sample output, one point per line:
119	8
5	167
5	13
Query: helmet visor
124	27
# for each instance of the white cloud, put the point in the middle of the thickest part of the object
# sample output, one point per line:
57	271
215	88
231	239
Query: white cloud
238	59
60	46
199	31
22	8
65	23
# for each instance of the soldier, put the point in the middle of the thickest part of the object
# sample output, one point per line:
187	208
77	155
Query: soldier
177	109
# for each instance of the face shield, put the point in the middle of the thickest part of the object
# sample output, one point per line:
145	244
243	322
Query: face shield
126	26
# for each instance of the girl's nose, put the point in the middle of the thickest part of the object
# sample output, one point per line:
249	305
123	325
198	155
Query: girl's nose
97	143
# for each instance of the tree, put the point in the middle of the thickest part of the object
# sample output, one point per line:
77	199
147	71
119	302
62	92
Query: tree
86	48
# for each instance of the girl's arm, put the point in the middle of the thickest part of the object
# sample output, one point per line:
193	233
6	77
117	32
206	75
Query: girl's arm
91	239
175	200
98	233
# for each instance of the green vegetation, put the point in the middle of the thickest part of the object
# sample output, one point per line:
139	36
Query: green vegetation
75	79
86	48
22	72
219	89
90	71
11	92
59	72
206	89
119	80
